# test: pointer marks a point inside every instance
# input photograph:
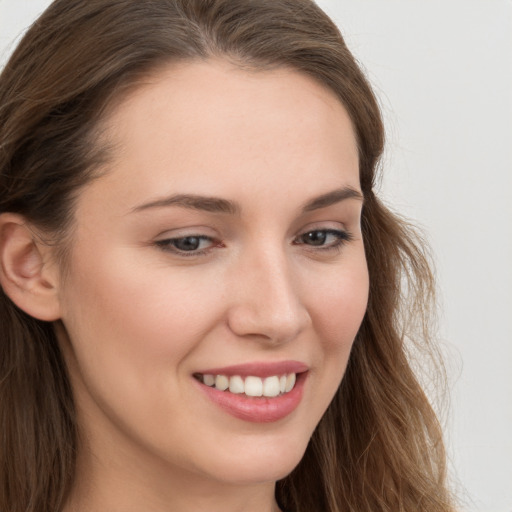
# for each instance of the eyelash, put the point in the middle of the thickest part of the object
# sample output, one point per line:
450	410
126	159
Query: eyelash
169	244
342	237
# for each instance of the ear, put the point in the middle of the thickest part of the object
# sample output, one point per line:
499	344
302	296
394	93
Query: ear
27	274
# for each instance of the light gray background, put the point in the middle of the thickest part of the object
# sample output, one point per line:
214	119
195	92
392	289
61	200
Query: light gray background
443	72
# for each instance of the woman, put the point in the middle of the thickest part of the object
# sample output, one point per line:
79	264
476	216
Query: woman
201	294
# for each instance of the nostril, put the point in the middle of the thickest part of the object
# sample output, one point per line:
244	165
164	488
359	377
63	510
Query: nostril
265	303
269	323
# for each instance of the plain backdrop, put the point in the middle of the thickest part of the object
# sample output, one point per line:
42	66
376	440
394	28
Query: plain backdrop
443	72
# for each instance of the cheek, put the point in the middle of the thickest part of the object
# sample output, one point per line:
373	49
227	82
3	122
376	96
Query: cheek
337	315
341	307
132	328
134	315
337	309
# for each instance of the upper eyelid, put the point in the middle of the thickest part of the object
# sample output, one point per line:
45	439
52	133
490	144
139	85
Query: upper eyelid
328	229
345	235
322	223
166	236
169	239
184	231
166	245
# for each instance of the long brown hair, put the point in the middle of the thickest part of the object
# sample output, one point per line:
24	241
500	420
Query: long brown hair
379	446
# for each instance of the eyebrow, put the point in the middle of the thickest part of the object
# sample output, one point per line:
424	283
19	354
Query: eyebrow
336	196
219	205
193	202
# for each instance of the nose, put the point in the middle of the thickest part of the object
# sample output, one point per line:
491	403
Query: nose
267	301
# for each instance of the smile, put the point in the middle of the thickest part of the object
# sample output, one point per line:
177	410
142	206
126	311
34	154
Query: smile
255	392
251	385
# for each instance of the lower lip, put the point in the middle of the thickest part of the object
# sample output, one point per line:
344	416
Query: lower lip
257	409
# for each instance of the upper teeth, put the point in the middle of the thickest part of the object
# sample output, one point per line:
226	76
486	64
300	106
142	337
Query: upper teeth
252	386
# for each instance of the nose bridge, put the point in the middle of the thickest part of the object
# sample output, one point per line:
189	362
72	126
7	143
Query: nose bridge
268	302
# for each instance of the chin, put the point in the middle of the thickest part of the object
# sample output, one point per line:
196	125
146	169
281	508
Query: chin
254	472
264	461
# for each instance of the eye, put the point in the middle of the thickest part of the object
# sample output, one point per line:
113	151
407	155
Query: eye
187	245
324	238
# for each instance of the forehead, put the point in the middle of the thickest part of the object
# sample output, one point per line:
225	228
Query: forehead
210	126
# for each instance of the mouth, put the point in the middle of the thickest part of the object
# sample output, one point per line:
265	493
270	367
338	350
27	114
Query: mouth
258	393
250	386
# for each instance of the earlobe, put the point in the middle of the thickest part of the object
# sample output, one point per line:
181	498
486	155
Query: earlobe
26	275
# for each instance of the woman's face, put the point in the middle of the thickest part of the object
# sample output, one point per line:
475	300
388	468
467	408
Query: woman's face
222	247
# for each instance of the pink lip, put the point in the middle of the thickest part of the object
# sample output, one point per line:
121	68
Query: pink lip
258	409
261	369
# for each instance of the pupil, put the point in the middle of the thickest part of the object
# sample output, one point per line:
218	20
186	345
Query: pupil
190	243
315	237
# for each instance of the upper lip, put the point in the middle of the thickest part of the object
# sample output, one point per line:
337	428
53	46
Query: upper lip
258	369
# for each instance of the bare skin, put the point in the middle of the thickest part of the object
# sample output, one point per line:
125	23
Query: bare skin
160	289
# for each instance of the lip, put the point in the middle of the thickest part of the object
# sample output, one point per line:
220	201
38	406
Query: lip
257	409
258	369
